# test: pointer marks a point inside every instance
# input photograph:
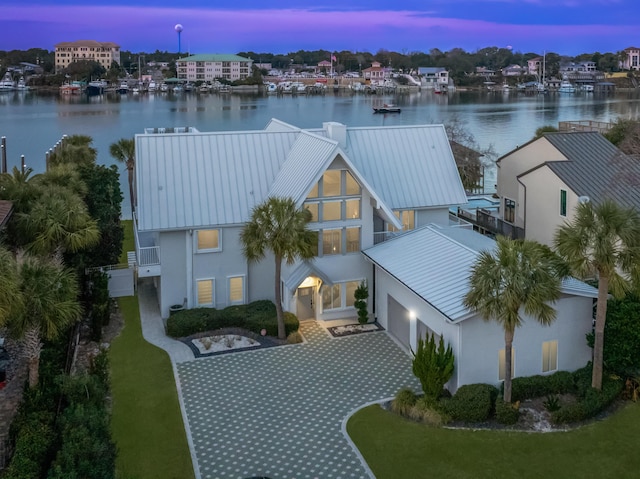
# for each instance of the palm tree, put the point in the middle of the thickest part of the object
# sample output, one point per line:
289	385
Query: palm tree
518	275
602	242
124	150
49	293
58	222
279	225
10	298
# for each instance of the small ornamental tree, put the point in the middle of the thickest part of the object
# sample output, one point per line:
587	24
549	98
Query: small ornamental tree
361	294
432	365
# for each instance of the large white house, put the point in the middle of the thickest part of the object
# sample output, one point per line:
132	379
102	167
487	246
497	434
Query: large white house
208	67
366	189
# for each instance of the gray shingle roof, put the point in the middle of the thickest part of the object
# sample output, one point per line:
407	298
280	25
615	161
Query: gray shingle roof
596	168
435	263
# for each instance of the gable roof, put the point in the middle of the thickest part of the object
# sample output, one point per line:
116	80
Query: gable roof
408	166
595	167
196	179
435	263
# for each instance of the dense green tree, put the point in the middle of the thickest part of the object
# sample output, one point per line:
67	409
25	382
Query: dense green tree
433	365
85	70
279	226
75	150
124	151
49	292
544	129
10	298
519	276
602	242
625	134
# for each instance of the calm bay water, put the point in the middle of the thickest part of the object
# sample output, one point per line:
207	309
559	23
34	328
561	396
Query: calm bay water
33	123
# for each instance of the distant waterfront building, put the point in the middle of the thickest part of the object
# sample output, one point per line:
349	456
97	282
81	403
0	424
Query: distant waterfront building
433	75
535	65
207	67
376	72
632	62
513	71
105	53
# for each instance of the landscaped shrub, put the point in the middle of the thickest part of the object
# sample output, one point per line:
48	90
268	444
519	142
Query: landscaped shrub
428	411
507	413
537	386
433	365
254	317
361	295
294	338
404	400
33	448
471	403
591	402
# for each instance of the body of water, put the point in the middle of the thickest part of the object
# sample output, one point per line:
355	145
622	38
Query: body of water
33	122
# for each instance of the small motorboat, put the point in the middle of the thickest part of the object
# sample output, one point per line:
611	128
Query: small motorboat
387	108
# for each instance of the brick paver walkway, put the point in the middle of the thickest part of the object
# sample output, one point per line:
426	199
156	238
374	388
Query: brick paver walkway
278	412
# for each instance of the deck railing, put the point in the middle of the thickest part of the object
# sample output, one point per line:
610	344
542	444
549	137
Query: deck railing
146	255
497	226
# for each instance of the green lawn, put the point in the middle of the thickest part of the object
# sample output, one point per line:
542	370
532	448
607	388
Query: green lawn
128	243
397	448
146	422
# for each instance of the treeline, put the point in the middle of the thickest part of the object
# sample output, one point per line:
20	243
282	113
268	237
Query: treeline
457	61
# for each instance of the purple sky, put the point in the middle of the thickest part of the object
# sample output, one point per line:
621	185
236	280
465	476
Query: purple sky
568	27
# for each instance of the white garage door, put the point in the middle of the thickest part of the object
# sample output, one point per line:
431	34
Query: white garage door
398	321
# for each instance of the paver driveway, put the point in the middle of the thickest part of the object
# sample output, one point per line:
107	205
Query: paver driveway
278	412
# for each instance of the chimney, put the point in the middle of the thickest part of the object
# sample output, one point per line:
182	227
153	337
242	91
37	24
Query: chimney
336	131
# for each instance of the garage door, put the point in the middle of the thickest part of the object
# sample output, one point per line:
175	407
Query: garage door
398	321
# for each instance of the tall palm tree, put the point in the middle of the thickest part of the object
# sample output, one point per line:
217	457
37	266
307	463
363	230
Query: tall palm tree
49	292
10	297
75	150
279	226
602	242
124	150
520	275
58	222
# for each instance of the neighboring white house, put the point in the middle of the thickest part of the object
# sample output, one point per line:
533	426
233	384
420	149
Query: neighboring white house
541	182
432	76
632	60
420	280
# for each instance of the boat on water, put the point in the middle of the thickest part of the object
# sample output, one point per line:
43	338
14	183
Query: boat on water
7	83
164	87
22	85
204	88
152	87
123	88
70	89
178	89
588	88
298	87
96	87
189	87
387	108
440	89
566	87
271	87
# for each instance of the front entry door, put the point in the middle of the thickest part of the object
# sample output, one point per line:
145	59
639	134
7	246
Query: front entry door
305	307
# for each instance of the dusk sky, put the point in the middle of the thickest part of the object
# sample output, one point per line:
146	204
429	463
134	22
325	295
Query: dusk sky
567	27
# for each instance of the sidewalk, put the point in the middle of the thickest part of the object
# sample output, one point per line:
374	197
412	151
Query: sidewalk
153	326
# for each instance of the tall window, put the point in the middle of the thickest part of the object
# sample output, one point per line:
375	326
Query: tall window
549	356
236	290
351	287
353	240
331	242
205	292
563	203
342	193
208	240
501	364
509	210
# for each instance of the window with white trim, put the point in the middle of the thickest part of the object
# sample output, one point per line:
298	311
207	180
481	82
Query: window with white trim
339	295
502	368
331	242
208	240
205	292
236	290
549	356
353	240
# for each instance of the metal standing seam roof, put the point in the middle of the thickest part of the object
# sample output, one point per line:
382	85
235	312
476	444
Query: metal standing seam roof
204	179
596	168
436	267
408	166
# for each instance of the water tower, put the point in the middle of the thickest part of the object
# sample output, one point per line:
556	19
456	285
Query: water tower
178	28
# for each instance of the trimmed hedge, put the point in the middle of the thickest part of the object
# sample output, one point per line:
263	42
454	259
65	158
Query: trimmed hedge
592	402
253	317
471	403
507	413
529	387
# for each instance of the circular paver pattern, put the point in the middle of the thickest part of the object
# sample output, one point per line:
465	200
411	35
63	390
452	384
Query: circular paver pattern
278	412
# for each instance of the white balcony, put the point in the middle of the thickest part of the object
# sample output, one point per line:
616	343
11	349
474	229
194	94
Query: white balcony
147	253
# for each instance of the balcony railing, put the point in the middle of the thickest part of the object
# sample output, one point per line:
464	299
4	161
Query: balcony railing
149	256
497	226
